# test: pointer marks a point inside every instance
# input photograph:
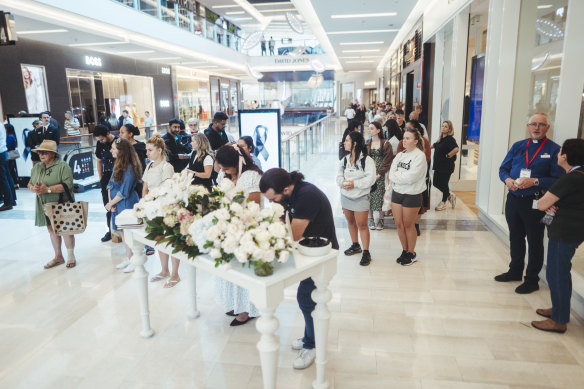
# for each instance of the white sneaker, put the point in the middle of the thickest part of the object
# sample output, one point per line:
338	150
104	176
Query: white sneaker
123	264
440	207
452	199
298	344
305	358
130	268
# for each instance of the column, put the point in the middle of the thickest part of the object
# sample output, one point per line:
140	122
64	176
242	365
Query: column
437	87
571	76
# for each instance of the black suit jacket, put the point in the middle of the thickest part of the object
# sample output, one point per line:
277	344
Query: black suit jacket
39	135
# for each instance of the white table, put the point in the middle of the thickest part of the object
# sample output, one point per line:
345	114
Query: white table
265	292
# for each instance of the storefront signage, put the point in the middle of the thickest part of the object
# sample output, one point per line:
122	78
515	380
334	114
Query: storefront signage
369	84
165	70
279	61
92	61
164	103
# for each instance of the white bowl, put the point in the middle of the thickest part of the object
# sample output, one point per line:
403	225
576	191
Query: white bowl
314	251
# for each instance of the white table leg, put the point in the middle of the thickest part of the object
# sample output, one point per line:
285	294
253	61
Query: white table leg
141	277
269	346
321	315
191	271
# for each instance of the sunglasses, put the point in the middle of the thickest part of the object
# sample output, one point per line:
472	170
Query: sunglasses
43	152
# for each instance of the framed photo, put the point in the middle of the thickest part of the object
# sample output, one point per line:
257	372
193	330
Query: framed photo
263	125
35	88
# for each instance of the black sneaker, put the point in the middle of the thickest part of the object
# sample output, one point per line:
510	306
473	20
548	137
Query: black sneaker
401	257
365	259
507	277
417	229
107	237
527	288
354	249
408	259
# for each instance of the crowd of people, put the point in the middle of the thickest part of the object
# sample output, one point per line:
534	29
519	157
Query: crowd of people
389	173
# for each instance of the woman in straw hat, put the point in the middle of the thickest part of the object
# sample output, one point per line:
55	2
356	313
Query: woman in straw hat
46	180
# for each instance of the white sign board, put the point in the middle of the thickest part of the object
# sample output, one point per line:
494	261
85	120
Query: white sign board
263	125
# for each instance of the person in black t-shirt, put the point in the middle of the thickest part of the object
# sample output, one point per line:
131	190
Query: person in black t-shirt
105	166
216	131
564	205
201	162
310	215
178	151
445	151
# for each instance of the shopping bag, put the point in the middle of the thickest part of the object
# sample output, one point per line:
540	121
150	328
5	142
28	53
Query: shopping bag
67	217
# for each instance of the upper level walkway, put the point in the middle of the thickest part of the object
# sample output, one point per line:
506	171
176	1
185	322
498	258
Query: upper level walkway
441	323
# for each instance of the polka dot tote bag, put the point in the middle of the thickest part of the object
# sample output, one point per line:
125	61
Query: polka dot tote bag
67	217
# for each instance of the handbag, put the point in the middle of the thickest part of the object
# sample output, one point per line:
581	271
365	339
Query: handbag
67	217
13	154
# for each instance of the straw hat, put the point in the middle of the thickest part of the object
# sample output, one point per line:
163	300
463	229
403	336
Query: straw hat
47	145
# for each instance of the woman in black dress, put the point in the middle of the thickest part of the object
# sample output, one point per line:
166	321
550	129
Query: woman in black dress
445	151
201	162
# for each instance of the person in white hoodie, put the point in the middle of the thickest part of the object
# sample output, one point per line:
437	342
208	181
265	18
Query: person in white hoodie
407	174
356	174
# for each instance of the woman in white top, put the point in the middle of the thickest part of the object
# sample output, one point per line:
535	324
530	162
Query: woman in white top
355	176
239	168
407	174
156	172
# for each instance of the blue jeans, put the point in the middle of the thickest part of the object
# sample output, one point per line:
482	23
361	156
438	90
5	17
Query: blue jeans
559	264
307	305
6	183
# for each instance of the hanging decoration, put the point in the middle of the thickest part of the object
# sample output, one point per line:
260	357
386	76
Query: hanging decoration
317	65
252	40
254	73
294	23
315	80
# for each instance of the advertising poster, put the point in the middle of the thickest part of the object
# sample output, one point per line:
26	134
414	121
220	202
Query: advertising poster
35	88
263	125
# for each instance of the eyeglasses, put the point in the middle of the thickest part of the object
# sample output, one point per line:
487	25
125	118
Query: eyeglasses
43	152
540	125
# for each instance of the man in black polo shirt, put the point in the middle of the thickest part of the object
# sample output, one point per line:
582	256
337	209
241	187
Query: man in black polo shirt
310	215
216	131
178	151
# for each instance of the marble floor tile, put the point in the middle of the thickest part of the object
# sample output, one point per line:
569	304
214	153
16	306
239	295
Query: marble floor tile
441	323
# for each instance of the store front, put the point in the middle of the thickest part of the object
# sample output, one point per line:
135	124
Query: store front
225	97
194	97
37	76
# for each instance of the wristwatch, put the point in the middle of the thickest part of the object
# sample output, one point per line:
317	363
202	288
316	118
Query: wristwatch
536	182
49	190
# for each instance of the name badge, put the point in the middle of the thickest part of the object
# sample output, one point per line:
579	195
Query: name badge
525	173
534	205
545	156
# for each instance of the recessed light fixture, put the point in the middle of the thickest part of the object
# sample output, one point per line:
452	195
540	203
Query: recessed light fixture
360	71
162	58
235	13
41	31
278	10
361	51
371	15
97	44
544	6
135	52
361	31
361	43
359	61
224	6
270	4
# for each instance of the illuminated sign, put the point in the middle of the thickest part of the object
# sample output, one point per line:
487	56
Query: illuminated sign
165	70
164	103
92	61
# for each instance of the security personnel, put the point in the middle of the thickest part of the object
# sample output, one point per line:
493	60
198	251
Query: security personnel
528	170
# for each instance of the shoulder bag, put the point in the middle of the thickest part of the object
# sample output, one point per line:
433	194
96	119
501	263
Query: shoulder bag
13	154
67	217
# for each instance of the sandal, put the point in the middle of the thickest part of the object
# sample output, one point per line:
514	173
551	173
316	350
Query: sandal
150	251
171	284
54	262
158	277
71	264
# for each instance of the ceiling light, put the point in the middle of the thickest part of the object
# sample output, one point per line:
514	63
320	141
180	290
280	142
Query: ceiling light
359	61
41	31
97	44
224	6
162	58
544	6
252	40
235	13
276	3
294	22
135	52
361	43
279	10
372	15
360	71
361	51
361	31
239	19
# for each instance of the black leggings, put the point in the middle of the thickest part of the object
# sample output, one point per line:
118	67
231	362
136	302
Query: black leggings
441	183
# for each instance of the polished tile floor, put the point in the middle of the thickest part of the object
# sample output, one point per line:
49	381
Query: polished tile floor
441	323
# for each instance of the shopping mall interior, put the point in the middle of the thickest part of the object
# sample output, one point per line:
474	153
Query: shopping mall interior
307	68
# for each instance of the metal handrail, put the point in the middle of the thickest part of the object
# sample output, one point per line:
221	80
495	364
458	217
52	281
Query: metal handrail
305	128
